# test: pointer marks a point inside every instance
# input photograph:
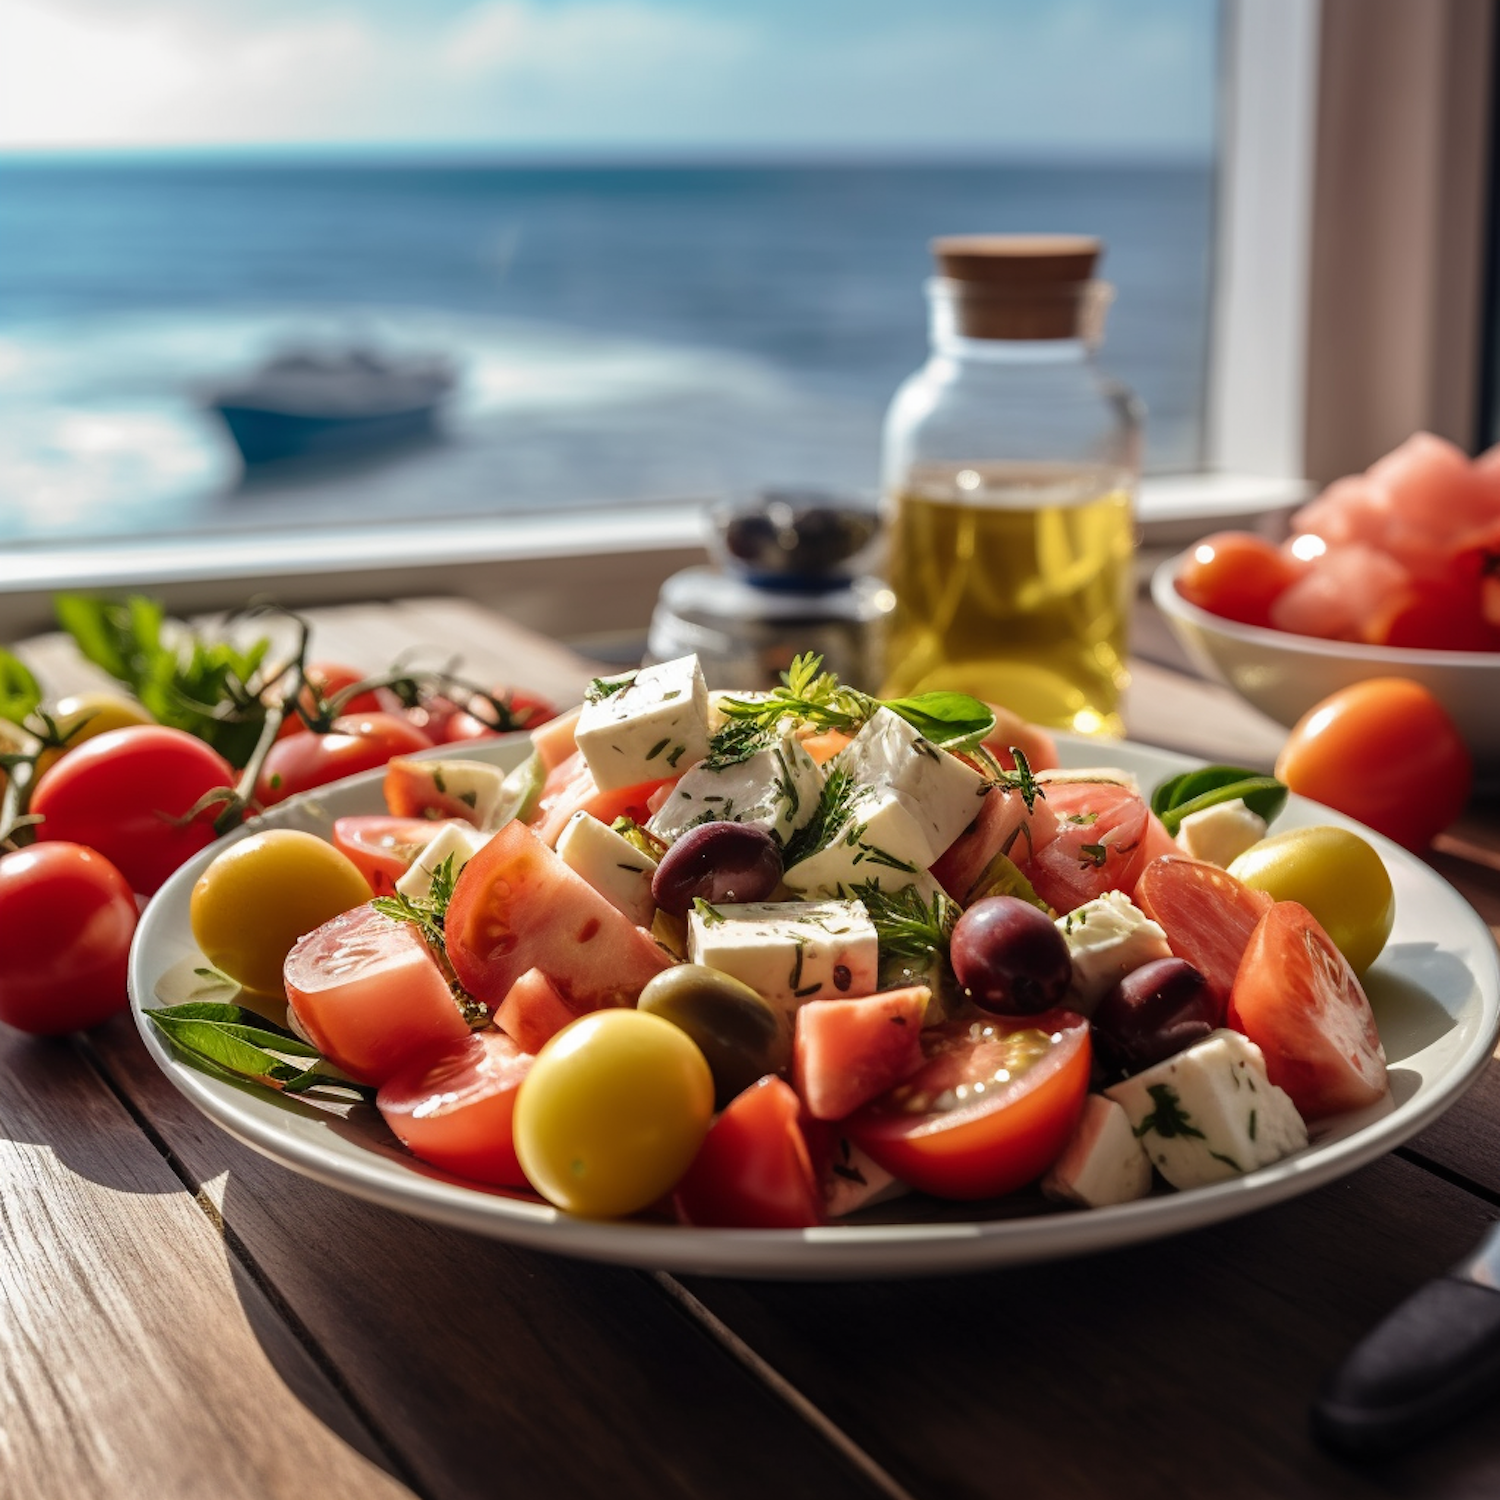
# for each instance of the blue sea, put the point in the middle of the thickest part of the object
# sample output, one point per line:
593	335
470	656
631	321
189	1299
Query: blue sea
624	332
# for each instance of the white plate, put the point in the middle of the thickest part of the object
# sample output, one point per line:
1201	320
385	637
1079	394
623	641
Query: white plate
1435	990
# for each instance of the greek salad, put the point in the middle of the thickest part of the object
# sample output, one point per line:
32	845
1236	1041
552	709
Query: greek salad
764	959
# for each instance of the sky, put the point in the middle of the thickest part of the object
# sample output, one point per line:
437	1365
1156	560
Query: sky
610	76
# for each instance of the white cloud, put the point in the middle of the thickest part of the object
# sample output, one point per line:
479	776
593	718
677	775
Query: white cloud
582	72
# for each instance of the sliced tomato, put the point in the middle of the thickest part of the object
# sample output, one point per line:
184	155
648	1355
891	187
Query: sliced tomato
455	1110
753	1170
1298	1000
849	1051
383	847
1207	915
990	1110
370	997
1100	844
571	788
517	906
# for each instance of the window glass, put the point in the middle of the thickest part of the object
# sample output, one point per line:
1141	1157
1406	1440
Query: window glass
667	250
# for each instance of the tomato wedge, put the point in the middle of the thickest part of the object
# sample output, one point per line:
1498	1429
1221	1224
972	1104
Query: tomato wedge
991	1109
1100	844
571	787
383	846
1298	1000
753	1170
455	1111
1207	914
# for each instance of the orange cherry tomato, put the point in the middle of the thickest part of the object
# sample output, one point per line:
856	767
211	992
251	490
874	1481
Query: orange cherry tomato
1383	751
1236	575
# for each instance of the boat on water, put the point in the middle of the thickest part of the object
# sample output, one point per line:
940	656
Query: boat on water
310	404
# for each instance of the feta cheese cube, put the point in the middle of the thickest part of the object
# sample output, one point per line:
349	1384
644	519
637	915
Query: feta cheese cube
611	864
1107	938
1210	1113
939	790
878	840
1103	1163
789	951
646	725
452	840
775	789
1220	834
855	1180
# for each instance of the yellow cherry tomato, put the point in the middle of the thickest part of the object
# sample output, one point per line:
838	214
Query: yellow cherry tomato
613	1112
84	715
1337	876
260	895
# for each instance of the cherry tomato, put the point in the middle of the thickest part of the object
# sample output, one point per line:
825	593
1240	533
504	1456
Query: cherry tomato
1297	999
324	679
1236	575
260	895
1207	914
84	715
1337	876
754	1170
357	742
68	916
945	1136
127	792
457	1110
383	847
1385	752
613	1112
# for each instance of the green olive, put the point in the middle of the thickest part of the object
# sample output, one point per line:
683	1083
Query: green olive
737	1031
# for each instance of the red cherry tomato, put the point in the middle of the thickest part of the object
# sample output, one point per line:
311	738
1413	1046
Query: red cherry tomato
383	847
126	794
357	742
1236	575
68	916
981	1143
455	1111
1207	915
324	679
753	1170
1297	999
1385	752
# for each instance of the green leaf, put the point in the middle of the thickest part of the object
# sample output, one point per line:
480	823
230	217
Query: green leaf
952	721
1194	791
230	1041
20	693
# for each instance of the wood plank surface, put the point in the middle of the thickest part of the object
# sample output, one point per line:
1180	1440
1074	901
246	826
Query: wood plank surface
1182	1368
490	1369
137	1357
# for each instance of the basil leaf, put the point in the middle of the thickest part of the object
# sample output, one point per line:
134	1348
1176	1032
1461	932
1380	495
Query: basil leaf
20	692
952	721
1194	791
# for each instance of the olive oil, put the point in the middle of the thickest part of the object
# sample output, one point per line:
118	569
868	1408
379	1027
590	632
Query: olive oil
1013	584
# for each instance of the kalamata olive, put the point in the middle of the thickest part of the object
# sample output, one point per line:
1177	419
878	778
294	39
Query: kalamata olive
1153	1012
1010	957
718	862
735	1029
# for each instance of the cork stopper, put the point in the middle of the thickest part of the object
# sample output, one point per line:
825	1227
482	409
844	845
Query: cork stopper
1021	286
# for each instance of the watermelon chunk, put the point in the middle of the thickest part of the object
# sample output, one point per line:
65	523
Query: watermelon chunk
849	1051
532	1012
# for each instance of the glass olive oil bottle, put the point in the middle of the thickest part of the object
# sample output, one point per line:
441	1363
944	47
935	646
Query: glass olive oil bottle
1010	472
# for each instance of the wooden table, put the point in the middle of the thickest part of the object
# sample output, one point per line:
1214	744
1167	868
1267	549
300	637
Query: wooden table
181	1318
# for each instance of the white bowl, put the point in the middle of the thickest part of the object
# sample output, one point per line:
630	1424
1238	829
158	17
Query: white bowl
1284	675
